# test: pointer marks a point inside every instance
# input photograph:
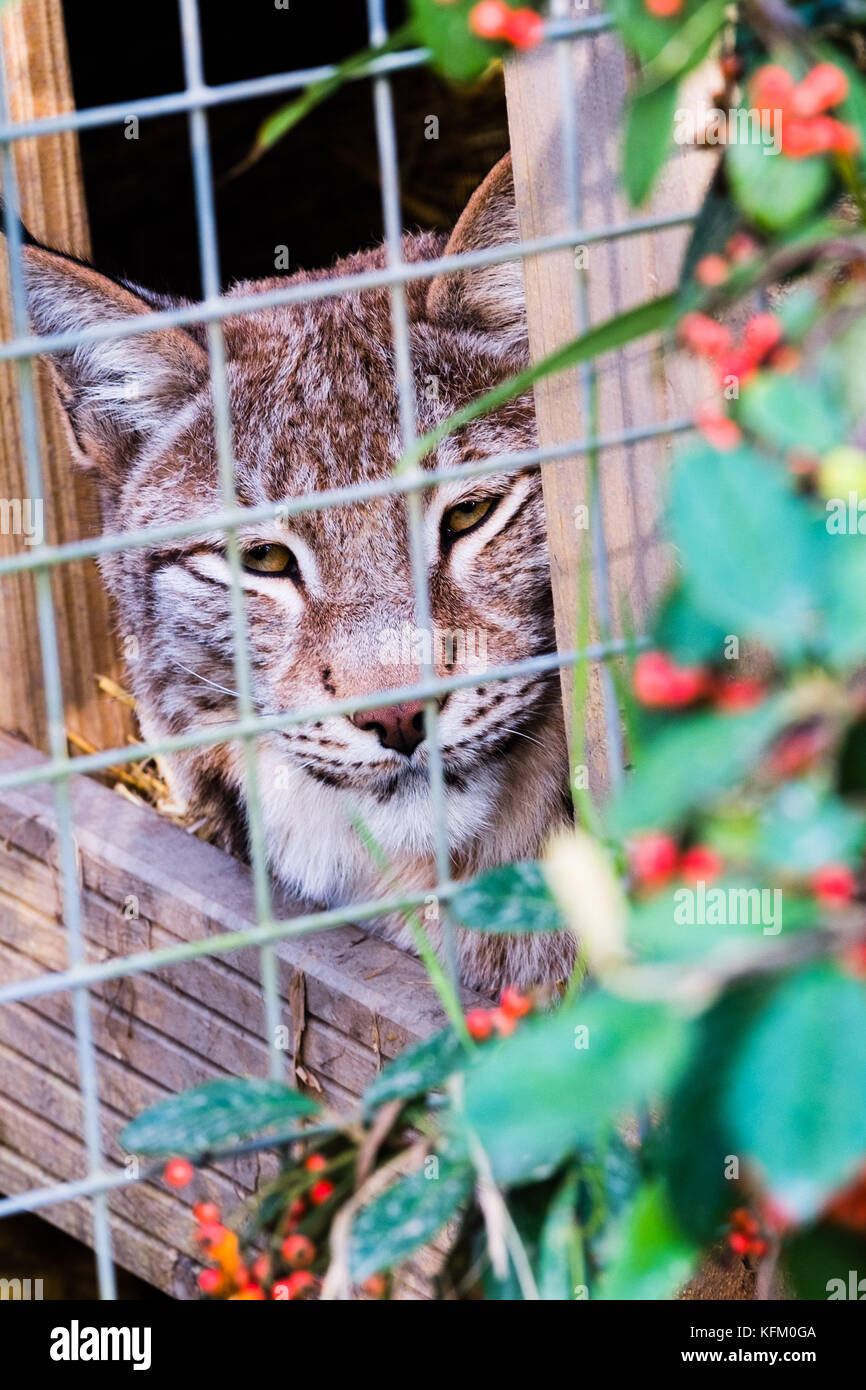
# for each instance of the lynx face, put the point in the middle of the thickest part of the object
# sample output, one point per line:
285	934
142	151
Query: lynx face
328	594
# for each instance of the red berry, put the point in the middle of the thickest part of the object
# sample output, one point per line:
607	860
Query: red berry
504	1024
514	1003
298	1251
712	270
738	694
737	366
823	87
210	1282
315	1163
763	333
731	67
844	139
701	862
720	431
743	1220
489	18
801	139
479	1024
250	1291
740	247
178	1172
261	1268
206	1213
772	89
320	1192
376	1286
295	1211
280	1290
738	1243
758	1248
663	9
660	684
703	335
211	1235
297	1285
653	858
854	960
524	28
834	885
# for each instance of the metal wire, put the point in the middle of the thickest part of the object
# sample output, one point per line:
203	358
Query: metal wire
196	99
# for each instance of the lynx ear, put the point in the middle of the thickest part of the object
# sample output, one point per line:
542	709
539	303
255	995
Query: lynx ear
119	392
490	298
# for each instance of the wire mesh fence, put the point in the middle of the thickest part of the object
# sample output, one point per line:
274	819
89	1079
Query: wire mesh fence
411	481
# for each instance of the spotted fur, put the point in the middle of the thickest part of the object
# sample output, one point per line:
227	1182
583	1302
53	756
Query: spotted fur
314	406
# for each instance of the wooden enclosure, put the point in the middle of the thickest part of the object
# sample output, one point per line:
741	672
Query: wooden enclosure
349	1001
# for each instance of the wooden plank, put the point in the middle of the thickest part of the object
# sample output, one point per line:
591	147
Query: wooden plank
637	386
160	1032
52	203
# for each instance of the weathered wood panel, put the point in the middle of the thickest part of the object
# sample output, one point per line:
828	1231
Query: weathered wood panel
146	884
52	204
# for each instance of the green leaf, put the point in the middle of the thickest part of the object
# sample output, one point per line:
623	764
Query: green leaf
560	1251
844	626
687	923
751	555
818	1261
775	192
671	46
803	828
511	898
690	763
791	412
647	138
457	52
562	1079
793	1101
215	1114
405	1217
715	223
419	1069
685	634
653	1258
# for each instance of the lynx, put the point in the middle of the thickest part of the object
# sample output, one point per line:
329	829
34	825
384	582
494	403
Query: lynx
328	594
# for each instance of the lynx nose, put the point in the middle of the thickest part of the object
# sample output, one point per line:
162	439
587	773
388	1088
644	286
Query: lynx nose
400	727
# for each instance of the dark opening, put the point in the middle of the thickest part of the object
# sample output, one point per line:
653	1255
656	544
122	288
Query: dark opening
316	193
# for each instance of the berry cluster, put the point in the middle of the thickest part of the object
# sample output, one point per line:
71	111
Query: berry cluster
745	1236
800	109
660	683
654	858
493	19
761	345
483	1023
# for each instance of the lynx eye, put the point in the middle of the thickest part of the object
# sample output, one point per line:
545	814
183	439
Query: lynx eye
271	559
467	515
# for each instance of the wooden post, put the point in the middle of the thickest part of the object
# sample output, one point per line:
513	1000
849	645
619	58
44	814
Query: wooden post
52	202
637	386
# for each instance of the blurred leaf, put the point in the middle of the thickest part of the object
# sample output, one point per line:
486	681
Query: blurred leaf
457	52
562	1079
649	122
669	47
802	828
775	192
691	762
421	1068
680	923
404	1217
793	1100
511	898
717	220
790	411
816	1259
653	1258
560	1253
750	554
844	599
686	634
215	1114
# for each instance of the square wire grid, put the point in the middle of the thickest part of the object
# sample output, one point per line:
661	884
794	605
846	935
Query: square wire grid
196	98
